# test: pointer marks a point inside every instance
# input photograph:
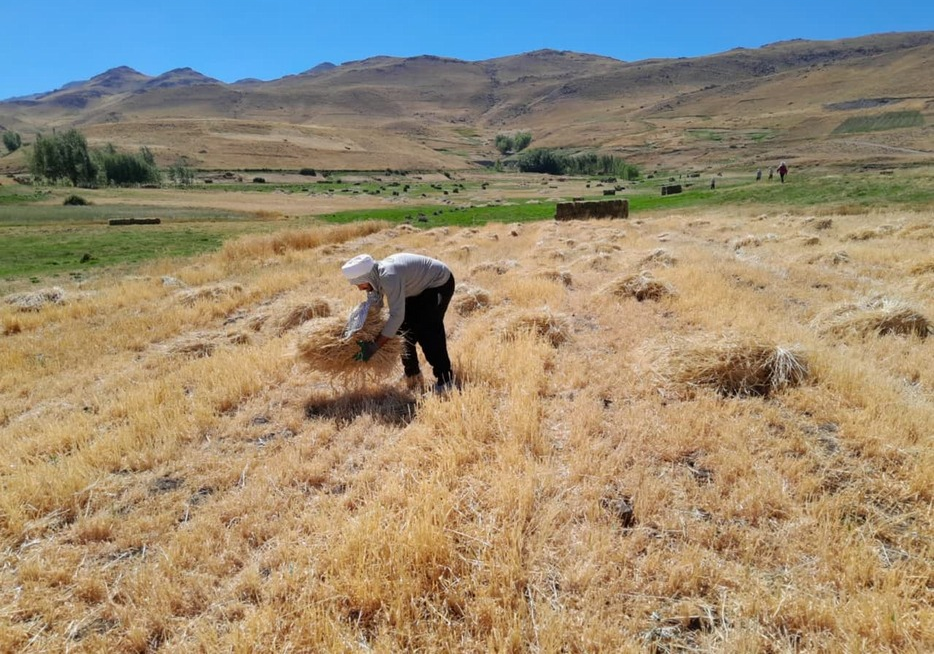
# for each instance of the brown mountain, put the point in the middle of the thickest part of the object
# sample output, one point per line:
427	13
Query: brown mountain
744	107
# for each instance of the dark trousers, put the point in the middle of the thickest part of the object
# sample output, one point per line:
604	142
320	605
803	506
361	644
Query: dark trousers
424	326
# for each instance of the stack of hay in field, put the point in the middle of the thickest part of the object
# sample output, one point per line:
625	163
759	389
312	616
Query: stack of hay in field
877	316
322	346
35	300
734	367
660	257
191	296
553	328
642	287
203	343
469	299
295	315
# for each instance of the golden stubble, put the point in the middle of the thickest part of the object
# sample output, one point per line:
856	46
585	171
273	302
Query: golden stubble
175	478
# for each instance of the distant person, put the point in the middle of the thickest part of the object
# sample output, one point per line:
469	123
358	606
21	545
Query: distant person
771	173
713	183
782	171
418	290
758	174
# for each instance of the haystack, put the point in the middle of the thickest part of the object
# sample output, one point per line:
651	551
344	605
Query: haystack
35	300
877	316
735	368
322	346
555	329
470	299
641	287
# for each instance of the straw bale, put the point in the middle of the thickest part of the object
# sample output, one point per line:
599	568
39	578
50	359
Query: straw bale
35	300
877	316
321	345
298	314
641	287
469	299
736	368
553	328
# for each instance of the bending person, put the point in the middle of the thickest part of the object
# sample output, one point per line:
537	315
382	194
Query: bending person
418	290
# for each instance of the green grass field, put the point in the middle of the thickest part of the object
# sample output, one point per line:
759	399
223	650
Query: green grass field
881	122
39	239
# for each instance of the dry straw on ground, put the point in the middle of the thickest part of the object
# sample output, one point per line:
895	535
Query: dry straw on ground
734	367
554	328
560	276
295	315
469	299
323	347
876	316
641	287
659	257
204	343
191	296
35	300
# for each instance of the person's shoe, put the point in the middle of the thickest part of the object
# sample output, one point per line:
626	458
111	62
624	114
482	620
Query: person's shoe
444	387
414	382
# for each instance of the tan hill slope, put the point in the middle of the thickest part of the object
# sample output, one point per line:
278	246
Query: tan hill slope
735	108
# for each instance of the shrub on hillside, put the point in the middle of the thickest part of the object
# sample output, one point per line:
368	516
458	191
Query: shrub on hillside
75	201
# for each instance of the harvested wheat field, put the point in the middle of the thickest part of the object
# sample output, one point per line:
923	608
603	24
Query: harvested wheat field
716	469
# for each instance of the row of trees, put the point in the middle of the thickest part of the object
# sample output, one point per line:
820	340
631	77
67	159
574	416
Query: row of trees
555	162
66	157
508	143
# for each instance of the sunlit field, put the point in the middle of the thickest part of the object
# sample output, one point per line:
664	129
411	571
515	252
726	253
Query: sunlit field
619	469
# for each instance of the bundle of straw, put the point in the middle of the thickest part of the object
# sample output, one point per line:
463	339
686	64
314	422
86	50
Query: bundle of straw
876	316
735	368
555	329
322	346
659	257
471	299
641	287
35	300
192	296
298	314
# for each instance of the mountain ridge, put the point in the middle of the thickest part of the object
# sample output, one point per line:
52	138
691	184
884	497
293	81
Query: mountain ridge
446	111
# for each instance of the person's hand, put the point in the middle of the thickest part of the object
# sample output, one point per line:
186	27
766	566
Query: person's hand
367	350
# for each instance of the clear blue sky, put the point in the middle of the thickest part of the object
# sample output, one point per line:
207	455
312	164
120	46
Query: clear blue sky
50	43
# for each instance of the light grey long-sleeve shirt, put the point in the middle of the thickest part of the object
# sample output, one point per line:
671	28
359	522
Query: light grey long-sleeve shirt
403	275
